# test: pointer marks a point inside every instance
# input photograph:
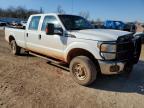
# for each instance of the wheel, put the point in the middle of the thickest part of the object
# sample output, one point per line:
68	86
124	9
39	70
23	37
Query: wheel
83	70
15	49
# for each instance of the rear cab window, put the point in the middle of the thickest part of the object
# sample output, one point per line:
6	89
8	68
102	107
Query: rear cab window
34	23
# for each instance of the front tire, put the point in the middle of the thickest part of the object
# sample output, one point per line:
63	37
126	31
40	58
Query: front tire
15	49
83	70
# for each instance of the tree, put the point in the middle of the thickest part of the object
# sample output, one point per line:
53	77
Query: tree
60	10
18	12
99	23
41	10
1	12
84	14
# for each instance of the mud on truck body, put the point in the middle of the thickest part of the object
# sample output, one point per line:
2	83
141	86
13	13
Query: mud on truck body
73	40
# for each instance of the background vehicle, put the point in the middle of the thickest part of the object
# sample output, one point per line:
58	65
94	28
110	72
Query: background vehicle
73	40
2	24
110	24
24	23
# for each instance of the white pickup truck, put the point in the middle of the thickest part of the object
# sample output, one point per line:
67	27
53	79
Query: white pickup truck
73	40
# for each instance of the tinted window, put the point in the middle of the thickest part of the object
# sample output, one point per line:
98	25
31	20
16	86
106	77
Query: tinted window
72	22
34	23
50	19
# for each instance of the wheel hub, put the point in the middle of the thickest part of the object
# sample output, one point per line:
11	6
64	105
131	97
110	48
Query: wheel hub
80	71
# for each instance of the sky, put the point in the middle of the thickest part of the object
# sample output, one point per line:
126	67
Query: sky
125	10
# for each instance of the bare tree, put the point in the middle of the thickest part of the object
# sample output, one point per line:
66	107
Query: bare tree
19	12
41	10
85	14
60	10
99	23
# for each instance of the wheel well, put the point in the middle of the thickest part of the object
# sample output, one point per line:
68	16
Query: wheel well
11	38
79	52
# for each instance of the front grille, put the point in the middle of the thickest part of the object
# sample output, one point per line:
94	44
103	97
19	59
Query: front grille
124	38
125	48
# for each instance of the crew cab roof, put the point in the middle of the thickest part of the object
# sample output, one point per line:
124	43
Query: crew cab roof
55	14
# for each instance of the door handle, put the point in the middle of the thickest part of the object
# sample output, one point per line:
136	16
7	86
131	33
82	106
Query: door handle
39	37
26	34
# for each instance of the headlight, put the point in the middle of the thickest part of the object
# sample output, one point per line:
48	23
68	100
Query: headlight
104	47
109	56
107	50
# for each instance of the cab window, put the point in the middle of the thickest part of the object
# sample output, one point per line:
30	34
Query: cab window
34	23
50	19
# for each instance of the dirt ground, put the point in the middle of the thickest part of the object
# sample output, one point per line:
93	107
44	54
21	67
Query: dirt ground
30	82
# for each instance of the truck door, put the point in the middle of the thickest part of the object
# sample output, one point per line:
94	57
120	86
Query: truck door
32	34
52	45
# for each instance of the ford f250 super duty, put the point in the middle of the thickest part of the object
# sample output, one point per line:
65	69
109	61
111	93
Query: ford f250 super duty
73	40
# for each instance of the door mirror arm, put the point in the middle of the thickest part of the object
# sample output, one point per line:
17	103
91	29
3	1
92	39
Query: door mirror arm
58	31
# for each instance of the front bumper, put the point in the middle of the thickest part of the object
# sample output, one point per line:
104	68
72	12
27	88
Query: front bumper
127	53
106	66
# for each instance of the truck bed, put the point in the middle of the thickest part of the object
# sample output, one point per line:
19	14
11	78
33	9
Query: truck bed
19	35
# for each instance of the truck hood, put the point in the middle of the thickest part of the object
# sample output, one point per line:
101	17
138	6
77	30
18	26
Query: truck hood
99	34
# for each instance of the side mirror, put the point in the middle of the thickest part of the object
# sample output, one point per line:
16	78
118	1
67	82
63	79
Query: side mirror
50	29
24	27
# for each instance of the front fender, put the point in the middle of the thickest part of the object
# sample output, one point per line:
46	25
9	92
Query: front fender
90	47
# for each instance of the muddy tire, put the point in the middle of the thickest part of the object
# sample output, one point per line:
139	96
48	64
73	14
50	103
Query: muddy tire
83	70
15	49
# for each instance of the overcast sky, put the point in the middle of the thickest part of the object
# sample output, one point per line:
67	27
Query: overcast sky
125	10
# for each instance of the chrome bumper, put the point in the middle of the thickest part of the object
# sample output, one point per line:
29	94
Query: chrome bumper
106	65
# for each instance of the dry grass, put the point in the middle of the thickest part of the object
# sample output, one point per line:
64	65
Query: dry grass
29	82
1	33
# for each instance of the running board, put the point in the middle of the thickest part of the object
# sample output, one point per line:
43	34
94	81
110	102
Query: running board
51	61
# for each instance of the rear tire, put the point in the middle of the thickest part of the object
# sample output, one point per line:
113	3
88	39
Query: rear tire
15	49
83	70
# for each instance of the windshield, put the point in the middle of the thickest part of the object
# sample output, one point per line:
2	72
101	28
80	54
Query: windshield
72	22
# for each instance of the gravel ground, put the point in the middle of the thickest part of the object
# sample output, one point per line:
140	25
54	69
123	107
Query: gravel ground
30	82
